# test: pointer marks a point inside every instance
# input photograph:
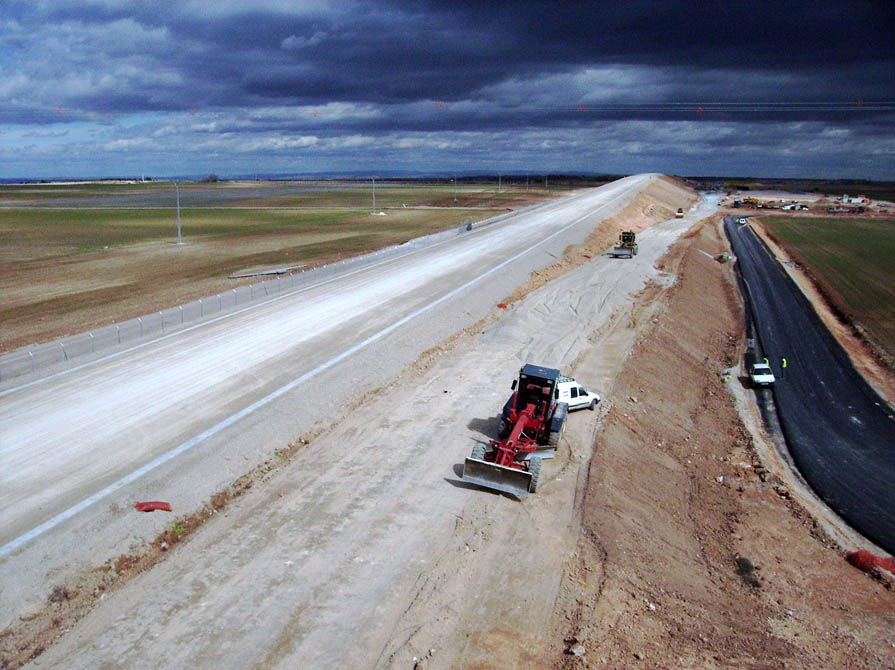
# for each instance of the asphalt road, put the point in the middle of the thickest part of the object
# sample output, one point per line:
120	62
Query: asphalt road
181	418
840	432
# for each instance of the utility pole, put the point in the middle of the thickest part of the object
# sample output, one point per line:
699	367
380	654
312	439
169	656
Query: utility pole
455	187
177	190
498	183
374	196
546	187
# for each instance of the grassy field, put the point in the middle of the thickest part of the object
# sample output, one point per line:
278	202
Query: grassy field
22	193
853	262
279	194
30	234
69	269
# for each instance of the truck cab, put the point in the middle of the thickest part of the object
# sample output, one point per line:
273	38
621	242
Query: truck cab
536	385
575	395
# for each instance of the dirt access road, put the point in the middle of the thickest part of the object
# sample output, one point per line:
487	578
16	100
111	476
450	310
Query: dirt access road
334	551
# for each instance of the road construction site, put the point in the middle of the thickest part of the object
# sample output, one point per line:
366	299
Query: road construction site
338	423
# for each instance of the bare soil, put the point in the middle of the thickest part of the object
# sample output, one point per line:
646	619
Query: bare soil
691	553
657	203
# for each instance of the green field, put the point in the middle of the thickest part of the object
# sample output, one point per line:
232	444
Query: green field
853	262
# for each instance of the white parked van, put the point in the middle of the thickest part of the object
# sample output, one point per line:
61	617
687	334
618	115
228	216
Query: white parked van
761	375
575	395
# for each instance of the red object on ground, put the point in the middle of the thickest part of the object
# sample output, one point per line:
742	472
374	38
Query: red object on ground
864	560
153	505
586	255
502	305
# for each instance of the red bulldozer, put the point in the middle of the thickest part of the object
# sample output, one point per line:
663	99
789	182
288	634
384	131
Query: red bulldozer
532	423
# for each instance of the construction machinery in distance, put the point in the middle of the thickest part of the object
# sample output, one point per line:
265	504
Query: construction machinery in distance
531	426
626	247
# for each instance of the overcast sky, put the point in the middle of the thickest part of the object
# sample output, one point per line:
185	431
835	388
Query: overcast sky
765	88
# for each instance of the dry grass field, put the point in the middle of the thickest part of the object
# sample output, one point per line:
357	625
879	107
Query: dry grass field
75	257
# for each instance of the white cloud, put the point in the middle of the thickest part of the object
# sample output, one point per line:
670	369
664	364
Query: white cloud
127	144
263	144
331	111
224	8
68	60
351	141
583	85
296	42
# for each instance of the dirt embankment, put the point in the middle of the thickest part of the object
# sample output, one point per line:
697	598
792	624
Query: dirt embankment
658	202
691	554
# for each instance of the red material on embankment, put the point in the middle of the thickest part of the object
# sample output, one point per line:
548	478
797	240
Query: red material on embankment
864	560
153	505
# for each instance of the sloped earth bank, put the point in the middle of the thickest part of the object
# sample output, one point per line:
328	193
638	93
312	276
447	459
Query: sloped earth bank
364	549
690	553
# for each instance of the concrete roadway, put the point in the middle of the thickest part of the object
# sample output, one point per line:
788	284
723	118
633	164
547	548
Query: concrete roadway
366	550
840	432
182	418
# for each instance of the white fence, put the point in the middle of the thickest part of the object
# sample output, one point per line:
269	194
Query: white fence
44	358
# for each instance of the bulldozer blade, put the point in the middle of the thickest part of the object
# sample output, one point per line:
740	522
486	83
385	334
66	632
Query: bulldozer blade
497	477
541	452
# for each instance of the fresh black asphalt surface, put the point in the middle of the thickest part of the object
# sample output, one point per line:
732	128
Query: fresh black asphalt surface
840	432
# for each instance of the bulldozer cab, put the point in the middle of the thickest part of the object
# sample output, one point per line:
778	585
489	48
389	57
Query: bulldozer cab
529	415
537	385
626	238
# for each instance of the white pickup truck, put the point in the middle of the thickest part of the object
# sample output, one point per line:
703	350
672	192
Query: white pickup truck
575	395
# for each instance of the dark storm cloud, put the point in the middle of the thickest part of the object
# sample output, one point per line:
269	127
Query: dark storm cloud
394	52
270	75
